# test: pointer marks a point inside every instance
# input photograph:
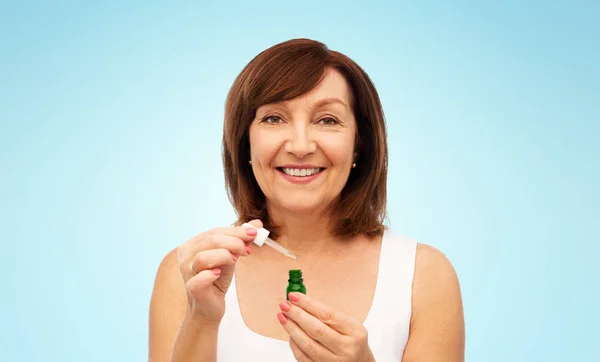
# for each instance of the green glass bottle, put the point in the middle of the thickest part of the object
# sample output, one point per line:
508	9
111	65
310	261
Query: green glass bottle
295	283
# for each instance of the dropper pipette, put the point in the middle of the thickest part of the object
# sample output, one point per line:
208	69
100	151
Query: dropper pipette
262	237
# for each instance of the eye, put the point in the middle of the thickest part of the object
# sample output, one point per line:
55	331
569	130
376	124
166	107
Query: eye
272	119
328	121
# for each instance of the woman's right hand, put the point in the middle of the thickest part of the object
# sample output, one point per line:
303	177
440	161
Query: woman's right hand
207	263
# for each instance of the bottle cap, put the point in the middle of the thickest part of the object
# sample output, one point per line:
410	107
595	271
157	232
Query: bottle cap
262	235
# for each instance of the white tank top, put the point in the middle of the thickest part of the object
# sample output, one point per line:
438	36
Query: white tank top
387	322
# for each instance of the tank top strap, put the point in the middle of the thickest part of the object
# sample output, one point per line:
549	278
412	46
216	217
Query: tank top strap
388	321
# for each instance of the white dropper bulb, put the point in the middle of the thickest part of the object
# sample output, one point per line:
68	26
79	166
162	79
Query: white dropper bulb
262	237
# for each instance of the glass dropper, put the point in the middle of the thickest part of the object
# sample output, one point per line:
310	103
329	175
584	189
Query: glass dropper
262	237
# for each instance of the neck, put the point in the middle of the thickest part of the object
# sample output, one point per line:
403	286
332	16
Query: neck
304	233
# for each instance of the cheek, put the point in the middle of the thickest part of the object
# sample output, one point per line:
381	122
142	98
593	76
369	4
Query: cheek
339	150
263	149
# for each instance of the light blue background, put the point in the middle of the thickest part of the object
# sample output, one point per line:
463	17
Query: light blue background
111	118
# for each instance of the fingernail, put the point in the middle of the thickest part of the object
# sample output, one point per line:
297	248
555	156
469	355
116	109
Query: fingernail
248	249
234	257
216	271
285	306
251	232
282	318
294	297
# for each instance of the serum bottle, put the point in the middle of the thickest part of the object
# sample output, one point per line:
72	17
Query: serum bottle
295	283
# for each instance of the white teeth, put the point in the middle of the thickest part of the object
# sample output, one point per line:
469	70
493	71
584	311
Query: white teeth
300	171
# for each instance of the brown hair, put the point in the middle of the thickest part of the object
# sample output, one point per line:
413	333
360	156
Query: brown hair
286	71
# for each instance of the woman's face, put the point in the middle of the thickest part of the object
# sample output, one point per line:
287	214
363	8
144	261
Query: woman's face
302	149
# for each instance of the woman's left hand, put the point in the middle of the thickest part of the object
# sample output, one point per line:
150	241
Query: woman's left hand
319	333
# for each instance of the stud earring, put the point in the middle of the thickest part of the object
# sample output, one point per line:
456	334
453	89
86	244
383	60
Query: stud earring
353	165
250	162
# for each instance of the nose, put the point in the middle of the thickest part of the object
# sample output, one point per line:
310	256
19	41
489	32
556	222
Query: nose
300	142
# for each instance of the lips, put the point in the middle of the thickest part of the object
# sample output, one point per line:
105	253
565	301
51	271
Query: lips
300	174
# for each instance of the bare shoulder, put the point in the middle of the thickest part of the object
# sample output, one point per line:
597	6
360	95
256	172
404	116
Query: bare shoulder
168	279
437	330
432	266
167	308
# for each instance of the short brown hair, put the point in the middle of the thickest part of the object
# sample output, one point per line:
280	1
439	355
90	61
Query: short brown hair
286	71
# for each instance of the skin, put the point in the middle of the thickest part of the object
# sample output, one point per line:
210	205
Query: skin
317	128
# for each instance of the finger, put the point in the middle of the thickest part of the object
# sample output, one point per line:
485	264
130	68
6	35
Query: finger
256	223
298	354
245	233
207	240
311	325
309	346
200	283
221	241
242	232
210	259
339	321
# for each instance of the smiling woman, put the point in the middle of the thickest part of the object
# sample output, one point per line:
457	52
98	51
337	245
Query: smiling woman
306	135
305	156
304	97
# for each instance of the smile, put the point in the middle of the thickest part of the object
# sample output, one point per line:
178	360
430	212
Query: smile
301	172
300	175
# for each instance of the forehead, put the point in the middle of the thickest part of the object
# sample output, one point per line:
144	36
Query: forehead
333	86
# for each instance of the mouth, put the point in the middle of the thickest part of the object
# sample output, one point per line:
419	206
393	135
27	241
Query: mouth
300	172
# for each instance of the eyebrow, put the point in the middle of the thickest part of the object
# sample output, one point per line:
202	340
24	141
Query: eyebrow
328	101
321	103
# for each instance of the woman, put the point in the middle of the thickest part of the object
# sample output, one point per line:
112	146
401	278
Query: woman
305	156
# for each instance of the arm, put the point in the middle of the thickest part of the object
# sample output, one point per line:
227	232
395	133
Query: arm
437	331
174	335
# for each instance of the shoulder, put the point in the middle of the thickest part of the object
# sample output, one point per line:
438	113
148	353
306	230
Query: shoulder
432	272
431	265
169	289
168	269
433	275
437	321
435	281
168	278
